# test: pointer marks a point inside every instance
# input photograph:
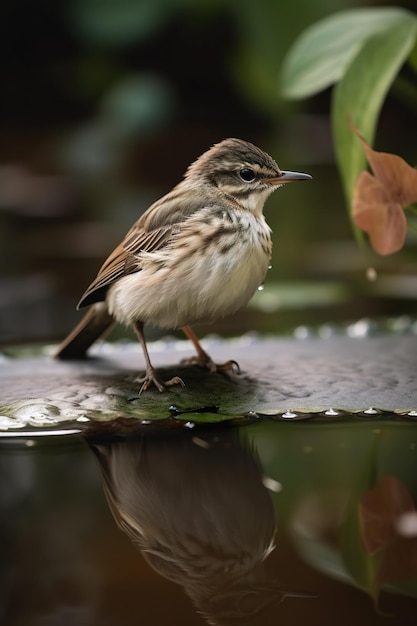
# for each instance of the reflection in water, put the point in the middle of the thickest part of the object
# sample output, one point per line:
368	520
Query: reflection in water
198	510
388	529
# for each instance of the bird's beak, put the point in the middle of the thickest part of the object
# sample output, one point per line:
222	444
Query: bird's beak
289	177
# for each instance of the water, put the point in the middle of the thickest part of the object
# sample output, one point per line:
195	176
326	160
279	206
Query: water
269	522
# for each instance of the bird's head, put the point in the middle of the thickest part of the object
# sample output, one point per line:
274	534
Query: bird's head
241	170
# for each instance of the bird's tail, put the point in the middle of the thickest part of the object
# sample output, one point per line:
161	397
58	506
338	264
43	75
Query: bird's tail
95	323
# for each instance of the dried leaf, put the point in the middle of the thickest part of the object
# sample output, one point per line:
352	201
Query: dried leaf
379	199
375	212
379	509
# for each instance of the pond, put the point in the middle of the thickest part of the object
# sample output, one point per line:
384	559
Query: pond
259	523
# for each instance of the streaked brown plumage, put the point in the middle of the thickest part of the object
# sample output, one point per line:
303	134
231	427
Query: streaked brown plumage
200	514
197	254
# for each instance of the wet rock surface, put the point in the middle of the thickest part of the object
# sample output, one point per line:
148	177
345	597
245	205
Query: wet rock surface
278	376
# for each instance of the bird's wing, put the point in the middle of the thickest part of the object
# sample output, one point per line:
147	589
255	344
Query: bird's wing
153	231
124	260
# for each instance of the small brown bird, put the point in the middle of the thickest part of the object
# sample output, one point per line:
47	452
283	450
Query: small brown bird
197	254
198	510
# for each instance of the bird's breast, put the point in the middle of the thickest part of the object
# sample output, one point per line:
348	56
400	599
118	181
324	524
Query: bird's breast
210	269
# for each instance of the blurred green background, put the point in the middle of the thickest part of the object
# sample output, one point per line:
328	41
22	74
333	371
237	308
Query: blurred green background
103	105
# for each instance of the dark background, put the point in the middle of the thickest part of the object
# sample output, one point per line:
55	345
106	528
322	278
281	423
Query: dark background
105	103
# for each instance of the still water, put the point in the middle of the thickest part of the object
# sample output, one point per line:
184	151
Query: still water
262	523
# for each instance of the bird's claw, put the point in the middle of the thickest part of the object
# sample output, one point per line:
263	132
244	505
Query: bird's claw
230	367
152	378
204	361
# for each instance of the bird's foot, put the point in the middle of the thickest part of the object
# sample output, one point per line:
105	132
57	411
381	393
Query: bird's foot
151	378
229	368
205	361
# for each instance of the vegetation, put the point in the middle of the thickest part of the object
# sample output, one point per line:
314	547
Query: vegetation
361	52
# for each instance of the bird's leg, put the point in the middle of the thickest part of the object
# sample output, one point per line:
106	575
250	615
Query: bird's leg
151	376
204	360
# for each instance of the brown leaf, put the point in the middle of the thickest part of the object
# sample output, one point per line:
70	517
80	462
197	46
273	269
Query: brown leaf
375	212
379	200
379	509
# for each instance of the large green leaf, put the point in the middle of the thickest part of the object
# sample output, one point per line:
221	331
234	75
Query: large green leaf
322	53
361	92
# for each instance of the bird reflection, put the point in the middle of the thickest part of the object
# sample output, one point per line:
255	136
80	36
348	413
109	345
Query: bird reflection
196	507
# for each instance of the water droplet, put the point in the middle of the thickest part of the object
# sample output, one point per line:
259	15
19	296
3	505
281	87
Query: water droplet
331	412
270	267
261	287
30	443
371	411
371	274
361	328
82	418
289	415
189	425
145	422
303	332
412	413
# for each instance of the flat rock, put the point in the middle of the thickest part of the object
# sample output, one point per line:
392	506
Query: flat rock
277	376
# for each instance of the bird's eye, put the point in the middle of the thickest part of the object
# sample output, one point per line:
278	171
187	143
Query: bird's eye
247	174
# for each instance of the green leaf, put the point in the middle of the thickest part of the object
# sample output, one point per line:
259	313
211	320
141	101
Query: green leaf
322	53
361	92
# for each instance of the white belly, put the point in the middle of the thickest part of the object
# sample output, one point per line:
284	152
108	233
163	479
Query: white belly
189	284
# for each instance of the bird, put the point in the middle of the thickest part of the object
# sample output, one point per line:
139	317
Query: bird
197	254
213	537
